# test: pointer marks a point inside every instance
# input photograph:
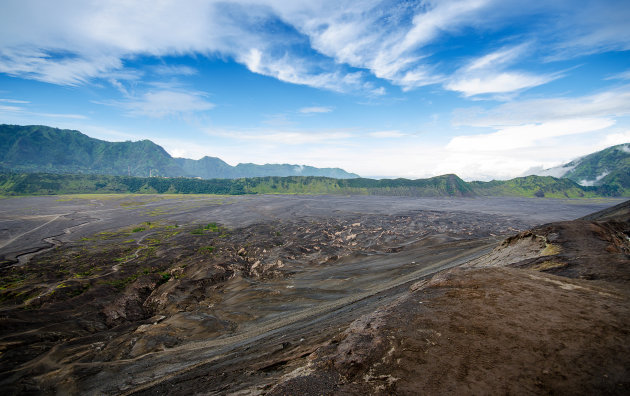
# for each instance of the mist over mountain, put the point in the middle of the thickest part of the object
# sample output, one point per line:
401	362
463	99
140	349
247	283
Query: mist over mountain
37	148
608	167
611	165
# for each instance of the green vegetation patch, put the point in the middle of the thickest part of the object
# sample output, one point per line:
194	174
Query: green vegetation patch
12	280
206	249
122	283
164	277
212	227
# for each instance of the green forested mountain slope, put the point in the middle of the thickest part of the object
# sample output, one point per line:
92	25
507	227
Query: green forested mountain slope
206	168
591	167
45	149
609	167
537	186
39	148
39	183
440	186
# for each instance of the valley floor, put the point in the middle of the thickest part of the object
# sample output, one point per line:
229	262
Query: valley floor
310	294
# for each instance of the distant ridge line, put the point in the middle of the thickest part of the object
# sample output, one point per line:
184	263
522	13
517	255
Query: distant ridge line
39	148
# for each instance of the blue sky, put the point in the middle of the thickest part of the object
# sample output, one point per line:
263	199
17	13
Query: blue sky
482	88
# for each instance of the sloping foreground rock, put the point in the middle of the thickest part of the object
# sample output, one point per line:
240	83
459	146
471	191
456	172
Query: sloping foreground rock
547	312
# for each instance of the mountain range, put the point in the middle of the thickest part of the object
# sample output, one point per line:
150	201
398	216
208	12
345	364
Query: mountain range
12	183
37	148
45	160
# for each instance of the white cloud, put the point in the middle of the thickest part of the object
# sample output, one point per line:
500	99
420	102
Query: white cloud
175	70
386	134
617	138
164	103
14	101
487	74
43	66
80	41
63	115
300	71
591	27
25	113
315	109
339	45
412	160
68	42
381	37
516	137
10	109
380	91
494	59
496	83
536	134
274	137
611	103
625	75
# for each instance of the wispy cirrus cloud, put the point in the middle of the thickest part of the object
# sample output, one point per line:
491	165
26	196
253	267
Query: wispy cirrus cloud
15	101
300	71
62	115
174	70
385	40
65	69
589	27
611	103
496	83
12	109
286	137
20	108
489	74
316	109
164	103
625	75
332	44
387	134
528	135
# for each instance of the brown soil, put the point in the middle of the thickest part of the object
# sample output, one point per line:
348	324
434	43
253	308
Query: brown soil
500	329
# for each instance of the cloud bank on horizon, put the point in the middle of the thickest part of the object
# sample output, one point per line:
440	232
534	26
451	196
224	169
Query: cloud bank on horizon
482	88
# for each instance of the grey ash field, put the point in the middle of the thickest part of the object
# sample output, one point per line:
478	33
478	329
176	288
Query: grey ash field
155	294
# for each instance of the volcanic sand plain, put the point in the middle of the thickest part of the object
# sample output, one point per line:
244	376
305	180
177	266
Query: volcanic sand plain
116	294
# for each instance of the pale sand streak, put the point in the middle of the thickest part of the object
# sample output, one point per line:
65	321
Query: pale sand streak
34	229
